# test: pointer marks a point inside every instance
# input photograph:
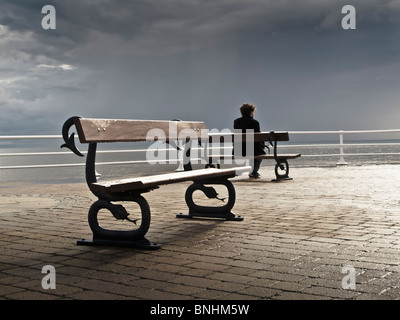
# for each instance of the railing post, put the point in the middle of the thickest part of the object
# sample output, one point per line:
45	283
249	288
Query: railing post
180	156
341	159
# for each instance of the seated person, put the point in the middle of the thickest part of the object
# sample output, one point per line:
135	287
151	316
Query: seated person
247	121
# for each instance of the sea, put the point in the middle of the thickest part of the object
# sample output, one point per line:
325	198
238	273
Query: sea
25	160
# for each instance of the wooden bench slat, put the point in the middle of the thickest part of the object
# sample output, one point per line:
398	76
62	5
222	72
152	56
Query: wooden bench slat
279	156
167	178
257	137
114	130
264	156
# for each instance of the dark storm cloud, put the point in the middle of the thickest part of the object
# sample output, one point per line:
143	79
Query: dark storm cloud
199	60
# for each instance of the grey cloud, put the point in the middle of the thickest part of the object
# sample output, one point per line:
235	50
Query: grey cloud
197	60
174	26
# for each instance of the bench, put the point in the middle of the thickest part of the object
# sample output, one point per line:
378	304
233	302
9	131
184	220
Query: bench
94	131
281	160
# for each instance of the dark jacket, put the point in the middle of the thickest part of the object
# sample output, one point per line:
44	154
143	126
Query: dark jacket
247	122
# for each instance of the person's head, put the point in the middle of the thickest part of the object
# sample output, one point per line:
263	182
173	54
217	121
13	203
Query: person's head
247	109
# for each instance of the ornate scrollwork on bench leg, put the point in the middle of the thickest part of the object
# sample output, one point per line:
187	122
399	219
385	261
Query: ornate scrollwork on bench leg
131	238
219	212
282	170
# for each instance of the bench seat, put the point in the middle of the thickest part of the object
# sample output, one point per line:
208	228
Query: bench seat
281	166
149	182
263	156
279	156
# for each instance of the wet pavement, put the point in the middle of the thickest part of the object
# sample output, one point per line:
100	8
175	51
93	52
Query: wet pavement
330	233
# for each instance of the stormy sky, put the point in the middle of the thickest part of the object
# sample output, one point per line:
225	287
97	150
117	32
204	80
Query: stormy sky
200	60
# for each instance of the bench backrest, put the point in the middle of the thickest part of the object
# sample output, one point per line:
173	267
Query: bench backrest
118	130
109	130
257	137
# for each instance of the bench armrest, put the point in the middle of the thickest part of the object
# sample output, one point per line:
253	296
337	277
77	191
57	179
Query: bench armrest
70	140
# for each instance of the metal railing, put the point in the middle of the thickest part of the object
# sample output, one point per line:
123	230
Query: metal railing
340	146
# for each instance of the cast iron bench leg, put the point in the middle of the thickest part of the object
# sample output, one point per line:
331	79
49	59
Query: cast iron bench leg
219	212
132	238
282	166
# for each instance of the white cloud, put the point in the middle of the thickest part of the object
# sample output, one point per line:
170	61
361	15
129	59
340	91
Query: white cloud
65	67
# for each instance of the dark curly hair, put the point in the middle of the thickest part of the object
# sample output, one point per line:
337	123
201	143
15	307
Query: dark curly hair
246	109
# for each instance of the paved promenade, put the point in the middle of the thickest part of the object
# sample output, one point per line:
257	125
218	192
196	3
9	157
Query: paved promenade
331	233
